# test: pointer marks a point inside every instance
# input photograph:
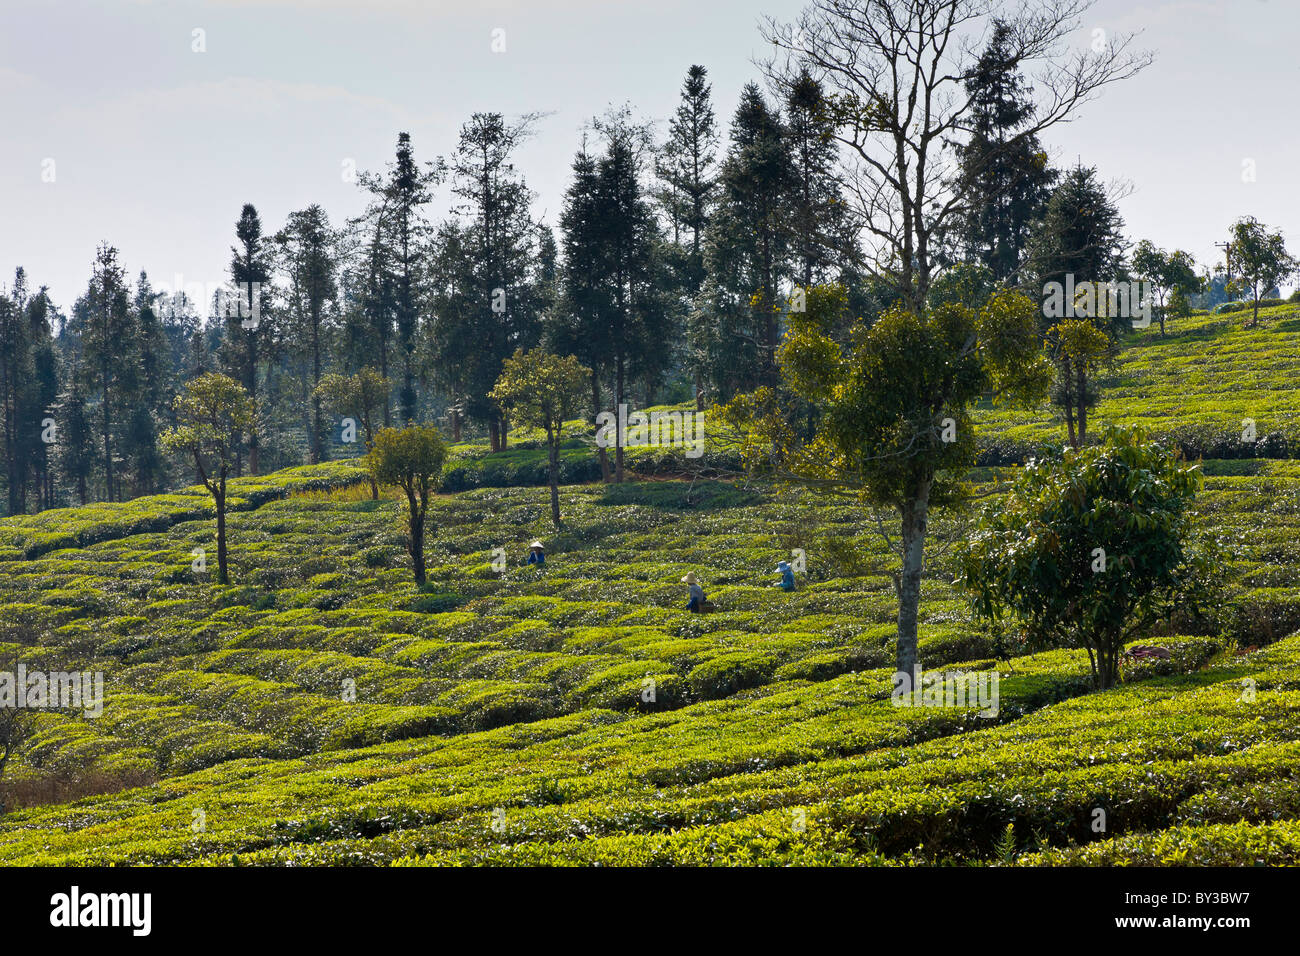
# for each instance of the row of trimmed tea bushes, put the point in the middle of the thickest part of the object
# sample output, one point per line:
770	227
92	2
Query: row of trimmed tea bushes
1194	387
29	536
714	782
587	631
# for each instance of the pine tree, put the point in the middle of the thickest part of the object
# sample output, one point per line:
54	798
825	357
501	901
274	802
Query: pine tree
818	222
106	326
1005	179
491	282
308	260
248	334
687	164
1081	236
734	333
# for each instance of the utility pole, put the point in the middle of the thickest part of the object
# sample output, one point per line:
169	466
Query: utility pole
1227	256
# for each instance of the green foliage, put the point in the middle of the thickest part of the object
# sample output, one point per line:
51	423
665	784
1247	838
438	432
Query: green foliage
524	691
1091	548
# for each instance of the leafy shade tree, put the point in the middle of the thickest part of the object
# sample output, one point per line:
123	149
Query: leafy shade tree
1078	349
1260	258
1171	274
541	390
361	397
212	413
1092	548
892	426
411	458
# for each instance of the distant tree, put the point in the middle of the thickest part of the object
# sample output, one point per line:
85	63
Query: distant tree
1092	548
107	328
1005	177
819	225
213	411
411	458
1170	274
892	425
362	397
580	325
1078	349
687	163
308	257
76	445
248	332
1080	238
735	332
1260	258
541	390
491	283
146	377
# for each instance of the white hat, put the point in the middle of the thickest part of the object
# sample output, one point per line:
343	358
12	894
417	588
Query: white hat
538	545
690	578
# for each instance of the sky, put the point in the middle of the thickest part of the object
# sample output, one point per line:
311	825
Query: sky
115	127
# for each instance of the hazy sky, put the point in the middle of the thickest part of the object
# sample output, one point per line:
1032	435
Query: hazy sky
155	147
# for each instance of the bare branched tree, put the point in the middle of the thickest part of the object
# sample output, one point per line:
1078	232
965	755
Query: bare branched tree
895	75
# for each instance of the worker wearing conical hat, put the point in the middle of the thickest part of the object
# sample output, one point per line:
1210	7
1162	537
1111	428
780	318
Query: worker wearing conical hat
696	604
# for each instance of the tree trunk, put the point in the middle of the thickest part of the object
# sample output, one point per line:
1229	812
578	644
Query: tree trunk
553	441
915	516
1083	408
494	435
416	527
505	434
618	432
455	425
108	444
595	406
222	576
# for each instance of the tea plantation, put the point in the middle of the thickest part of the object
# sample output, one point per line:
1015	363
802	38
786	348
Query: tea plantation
323	710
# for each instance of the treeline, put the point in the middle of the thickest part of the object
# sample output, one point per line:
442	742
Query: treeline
671	276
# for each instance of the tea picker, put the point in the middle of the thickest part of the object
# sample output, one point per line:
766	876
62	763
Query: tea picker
537	553
698	603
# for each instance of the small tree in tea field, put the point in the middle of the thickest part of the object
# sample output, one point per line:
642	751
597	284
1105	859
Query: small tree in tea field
214	414
412	459
362	397
1092	548
543	391
881	411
